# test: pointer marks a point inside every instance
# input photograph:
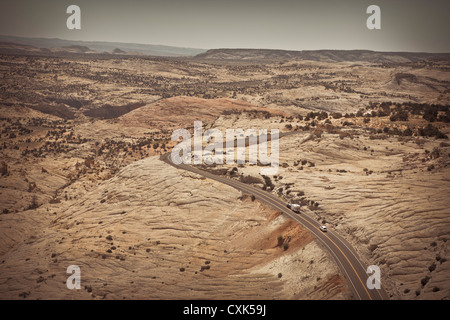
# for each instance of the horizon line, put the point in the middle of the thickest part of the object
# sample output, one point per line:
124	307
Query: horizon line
217	48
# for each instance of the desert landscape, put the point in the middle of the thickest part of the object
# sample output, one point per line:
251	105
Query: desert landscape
365	151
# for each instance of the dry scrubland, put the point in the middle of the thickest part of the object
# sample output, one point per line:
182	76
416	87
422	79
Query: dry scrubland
81	180
154	232
388	196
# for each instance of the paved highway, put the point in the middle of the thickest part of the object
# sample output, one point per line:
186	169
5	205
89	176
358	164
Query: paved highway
345	256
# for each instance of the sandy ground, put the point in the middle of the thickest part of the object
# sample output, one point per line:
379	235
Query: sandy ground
153	232
387	196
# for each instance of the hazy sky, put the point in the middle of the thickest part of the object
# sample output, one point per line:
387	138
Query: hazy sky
406	25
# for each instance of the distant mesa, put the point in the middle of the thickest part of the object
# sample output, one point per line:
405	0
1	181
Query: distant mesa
17	47
20	45
11	45
118	51
100	47
319	55
77	48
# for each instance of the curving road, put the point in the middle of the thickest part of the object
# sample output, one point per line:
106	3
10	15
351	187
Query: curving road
345	256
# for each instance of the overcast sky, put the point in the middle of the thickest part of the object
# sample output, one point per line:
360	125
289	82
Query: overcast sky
406	25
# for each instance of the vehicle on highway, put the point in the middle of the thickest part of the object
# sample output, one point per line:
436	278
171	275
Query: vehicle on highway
294	207
323	228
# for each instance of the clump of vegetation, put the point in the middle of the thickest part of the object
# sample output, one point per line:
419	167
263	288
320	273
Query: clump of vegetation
4	169
250	180
336	115
432	131
34	204
280	241
268	184
425	280
432	267
400	115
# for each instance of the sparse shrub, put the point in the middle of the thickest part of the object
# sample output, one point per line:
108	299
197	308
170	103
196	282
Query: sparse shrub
250	180
268	183
407	132
336	115
425	280
430	114
401	115
432	267
89	162
382	113
4	169
34	204
396	131
432	131
444	117
435	153
280	241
